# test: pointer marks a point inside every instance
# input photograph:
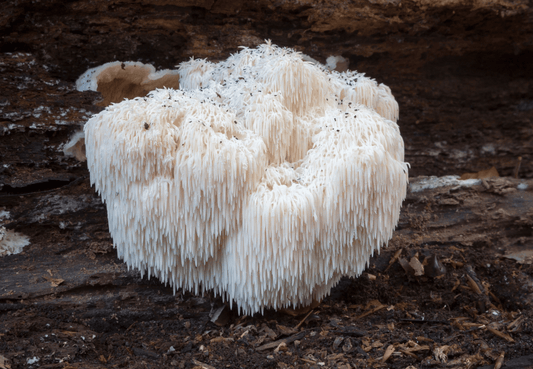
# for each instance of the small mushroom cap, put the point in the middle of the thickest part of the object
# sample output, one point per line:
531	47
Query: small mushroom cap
117	81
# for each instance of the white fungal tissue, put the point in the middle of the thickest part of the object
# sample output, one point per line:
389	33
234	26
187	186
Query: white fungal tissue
265	177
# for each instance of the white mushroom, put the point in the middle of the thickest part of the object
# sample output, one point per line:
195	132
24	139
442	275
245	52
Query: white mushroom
267	181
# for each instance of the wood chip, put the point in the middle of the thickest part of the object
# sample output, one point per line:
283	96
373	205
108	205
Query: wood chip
474	280
202	365
335	357
516	324
270	333
221	340
4	364
281	347
408	353
470	325
406	267
473	285
499	362
416	265
500	334
420	348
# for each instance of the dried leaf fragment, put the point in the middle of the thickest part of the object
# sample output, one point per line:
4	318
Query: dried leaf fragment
388	353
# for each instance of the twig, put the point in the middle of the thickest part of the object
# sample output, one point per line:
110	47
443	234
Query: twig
394	258
422	321
303	320
517	168
275	344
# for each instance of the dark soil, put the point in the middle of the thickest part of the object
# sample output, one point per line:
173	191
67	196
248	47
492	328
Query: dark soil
67	300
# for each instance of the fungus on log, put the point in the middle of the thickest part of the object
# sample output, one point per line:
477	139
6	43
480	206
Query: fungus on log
264	177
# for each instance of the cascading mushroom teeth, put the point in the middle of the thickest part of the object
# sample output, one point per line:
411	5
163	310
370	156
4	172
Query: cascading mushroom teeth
264	177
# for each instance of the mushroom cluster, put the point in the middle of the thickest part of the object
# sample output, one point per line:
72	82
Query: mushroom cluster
265	178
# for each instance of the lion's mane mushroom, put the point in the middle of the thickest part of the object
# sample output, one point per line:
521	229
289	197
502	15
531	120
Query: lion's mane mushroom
265	177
